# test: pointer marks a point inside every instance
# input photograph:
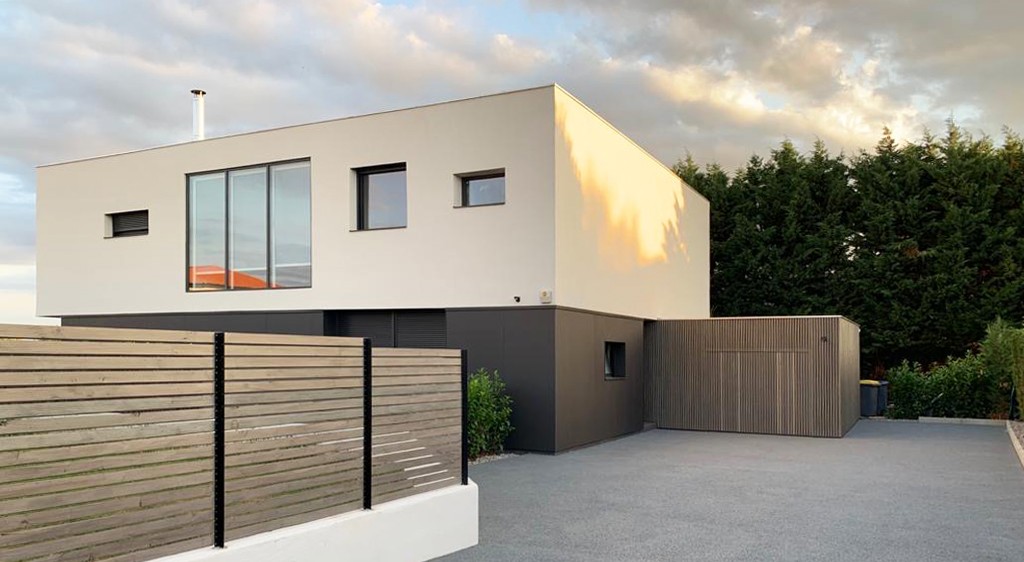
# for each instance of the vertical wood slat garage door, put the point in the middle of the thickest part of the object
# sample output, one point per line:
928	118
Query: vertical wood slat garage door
786	376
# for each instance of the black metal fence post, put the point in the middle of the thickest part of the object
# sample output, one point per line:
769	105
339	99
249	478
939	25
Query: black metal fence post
465	418
367	424
218	439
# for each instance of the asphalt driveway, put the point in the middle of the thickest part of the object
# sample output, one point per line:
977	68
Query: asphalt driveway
886	491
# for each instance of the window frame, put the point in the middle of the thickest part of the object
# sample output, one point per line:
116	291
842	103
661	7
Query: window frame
614	352
267	166
111	220
465	179
363	191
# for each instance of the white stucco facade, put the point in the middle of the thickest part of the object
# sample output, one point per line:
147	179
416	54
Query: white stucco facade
583	209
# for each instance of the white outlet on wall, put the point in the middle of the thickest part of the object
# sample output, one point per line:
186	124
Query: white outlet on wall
545	296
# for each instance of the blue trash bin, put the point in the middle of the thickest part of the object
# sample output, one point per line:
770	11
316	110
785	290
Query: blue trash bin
868	398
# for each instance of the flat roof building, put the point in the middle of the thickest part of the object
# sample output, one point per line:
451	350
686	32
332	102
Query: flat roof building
520	226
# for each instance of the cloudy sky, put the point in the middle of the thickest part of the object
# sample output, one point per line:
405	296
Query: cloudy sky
721	79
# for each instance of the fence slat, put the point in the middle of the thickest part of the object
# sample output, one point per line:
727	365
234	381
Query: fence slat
39	378
98	363
233	338
12	331
242	411
254	373
45	348
235	362
293	384
13	426
239	399
284	351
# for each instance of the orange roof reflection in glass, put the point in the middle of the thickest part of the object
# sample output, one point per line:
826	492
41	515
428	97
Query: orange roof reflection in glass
213	276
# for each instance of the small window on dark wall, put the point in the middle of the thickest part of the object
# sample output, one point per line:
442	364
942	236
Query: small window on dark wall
381	197
614	360
128	223
482	188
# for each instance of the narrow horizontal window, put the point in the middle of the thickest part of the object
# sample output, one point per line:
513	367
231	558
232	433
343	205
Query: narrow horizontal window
129	223
481	189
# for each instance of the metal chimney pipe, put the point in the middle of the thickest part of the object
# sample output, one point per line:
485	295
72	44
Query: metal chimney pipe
198	115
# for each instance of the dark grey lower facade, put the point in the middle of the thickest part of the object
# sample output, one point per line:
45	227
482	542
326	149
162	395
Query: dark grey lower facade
552	359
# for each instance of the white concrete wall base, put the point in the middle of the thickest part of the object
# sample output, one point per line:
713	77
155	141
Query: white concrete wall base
411	529
962	421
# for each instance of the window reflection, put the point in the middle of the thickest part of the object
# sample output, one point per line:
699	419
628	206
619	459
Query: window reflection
249	228
382	202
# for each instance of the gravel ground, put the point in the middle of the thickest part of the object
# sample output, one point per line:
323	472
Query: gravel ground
886	491
1018	430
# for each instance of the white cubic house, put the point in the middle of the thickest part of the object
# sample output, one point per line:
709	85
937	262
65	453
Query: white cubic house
520	226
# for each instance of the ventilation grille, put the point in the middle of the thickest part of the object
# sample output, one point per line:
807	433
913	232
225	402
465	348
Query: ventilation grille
420	329
395	328
131	223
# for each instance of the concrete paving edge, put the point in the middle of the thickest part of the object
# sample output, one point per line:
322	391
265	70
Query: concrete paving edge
1016	444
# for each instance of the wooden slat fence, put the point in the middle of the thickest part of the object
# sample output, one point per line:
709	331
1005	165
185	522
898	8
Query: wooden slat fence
105	443
417	421
109	438
293	430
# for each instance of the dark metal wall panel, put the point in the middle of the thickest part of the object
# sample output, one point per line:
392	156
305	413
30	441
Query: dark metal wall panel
589	407
787	376
392	328
520	344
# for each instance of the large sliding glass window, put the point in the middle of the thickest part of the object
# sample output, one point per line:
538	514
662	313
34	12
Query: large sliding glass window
207	232
290	244
249	228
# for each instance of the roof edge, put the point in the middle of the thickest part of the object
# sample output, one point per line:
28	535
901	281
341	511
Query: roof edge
309	123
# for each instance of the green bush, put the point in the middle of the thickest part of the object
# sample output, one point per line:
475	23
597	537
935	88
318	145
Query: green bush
1003	354
490	413
973	386
907	391
961	388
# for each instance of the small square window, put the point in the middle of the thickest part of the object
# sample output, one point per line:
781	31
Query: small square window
381	197
487	188
128	223
614	360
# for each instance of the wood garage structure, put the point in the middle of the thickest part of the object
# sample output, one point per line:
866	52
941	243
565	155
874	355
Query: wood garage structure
778	375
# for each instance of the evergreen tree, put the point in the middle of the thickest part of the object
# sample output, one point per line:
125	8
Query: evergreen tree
920	243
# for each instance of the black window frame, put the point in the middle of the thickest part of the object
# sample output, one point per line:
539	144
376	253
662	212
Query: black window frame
465	179
267	166
128	232
363	191
614	360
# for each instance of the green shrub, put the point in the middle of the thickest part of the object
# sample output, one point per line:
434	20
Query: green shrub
1003	353
490	413
907	391
961	388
